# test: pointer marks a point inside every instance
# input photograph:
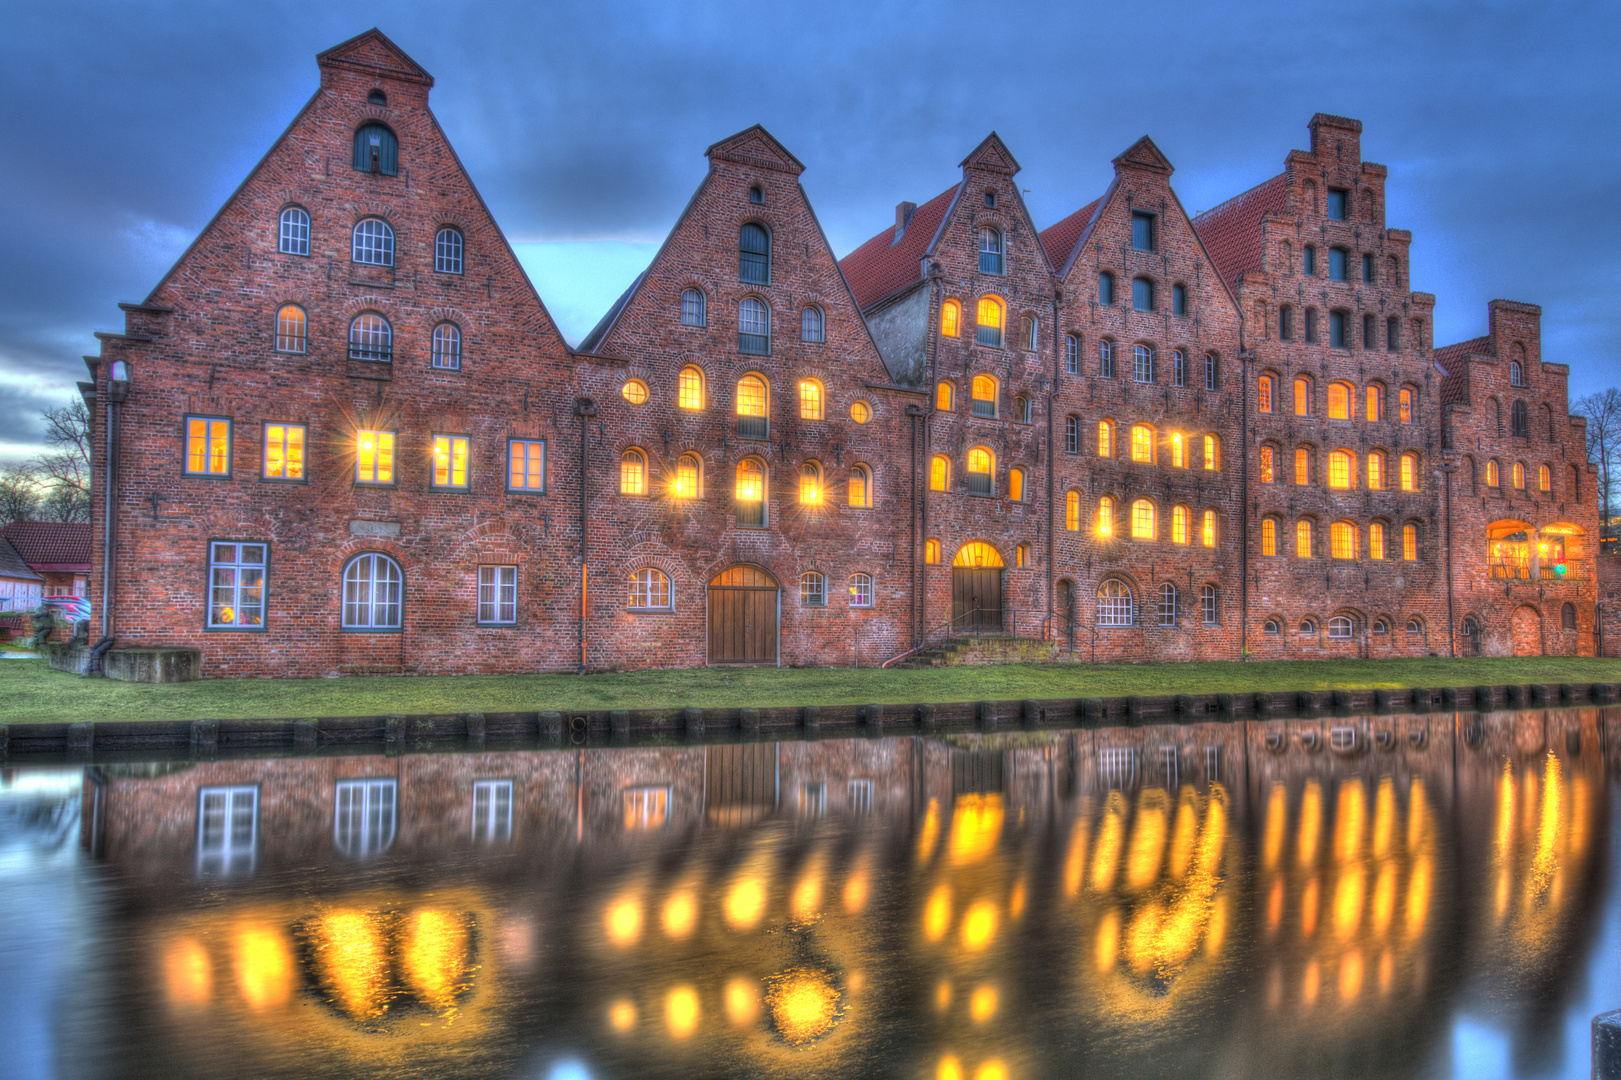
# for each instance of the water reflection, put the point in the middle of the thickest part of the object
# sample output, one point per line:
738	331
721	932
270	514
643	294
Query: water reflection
1270	899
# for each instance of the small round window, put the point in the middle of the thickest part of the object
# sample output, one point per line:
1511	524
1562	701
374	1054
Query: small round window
634	390
861	412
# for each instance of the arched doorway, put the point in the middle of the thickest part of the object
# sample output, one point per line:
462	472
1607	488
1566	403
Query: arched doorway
976	589
1527	629
743	607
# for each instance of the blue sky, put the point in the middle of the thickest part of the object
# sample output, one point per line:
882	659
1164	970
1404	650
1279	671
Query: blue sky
127	124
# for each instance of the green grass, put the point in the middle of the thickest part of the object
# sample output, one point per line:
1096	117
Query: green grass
32	693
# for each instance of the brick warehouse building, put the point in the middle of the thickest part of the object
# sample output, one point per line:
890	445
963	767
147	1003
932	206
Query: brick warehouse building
347	437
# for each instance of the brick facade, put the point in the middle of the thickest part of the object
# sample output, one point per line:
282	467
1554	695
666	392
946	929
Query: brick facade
816	383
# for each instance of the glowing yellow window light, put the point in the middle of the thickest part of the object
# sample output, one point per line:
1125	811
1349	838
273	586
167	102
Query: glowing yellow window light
208	446
940	473
977	553
804	1004
1106	516
976	820
1544	478
264	968
284	451
374	457
1409	473
1405	405
810	484
353	962
1142	520
859	486
931	551
1342	540
1376	403
686	477
1339	469
1376	471
450	461
750	481
622	1015
990	313
982	1004
751	396
1302	465
1302	397
1268	466
860	412
1179	450
1146	850
622	921
1339	401
1105	439
1212	453
1376	541
950	318
188	973
742	1001
1263	394
810	399
1303	539
1207	532
634	391
1269	537
1015	485
745	902
435	956
937	913
1409	542
942	397
690	388
979	460
632	473
979	925
681	1012
680	914
1142	444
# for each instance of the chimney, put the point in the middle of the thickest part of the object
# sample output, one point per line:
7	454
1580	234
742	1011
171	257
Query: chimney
903	214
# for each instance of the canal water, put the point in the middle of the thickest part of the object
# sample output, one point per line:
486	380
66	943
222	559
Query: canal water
1409	897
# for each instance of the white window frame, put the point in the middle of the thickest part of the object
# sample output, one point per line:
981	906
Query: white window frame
448	245
1072	354
812	325
813	799
365	816
694	308
813	593
497	595
641	803
239	569
1179	368
1116	610
362	610
1167	604
861	796
446	352
1341	628
492	811
377	340
372	242
646	583
1142	364
293	231
1208	605
861	590
531	448
224	850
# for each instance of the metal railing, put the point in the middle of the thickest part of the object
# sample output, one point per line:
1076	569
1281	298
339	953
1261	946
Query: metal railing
373	353
976	620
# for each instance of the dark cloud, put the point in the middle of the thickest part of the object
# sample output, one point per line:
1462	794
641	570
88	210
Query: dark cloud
127	125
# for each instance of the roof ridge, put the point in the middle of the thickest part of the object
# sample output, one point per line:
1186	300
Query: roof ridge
1236	199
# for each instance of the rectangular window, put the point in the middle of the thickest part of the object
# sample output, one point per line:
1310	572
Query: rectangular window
1336	329
364	819
1376	541
1339	204
1179	299
1167	605
284	452
447	252
374	457
1142	364
646	808
1179	369
1072	355
861	591
1302	466
227	829
1142	231
526	465
1106	359
1212	375
1269	537
1207	605
497	595
1021	556
492	811
208	446
813	589
236	586
1367	270
1409	542
812	800
450	461
1311	326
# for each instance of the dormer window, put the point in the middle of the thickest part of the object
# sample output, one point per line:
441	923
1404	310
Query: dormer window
377	150
377	97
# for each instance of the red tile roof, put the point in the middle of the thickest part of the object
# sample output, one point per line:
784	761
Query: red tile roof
1232	231
881	267
12	565
1060	239
58	544
1449	362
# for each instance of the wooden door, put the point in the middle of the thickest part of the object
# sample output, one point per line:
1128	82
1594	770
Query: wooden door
743	617
976	599
1065	628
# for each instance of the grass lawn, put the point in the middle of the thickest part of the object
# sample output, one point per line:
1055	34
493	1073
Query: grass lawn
31	692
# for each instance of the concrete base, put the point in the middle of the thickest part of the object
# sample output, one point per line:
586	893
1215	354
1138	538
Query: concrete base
74	659
153	665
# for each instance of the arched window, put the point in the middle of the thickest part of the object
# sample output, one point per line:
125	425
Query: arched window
1376	471
950	318
1409	471
1518	474
756	194
1114	603
1274	628
1286	323
1567	617
1302	396
1212	453
750	493
1342	536
754	254
1142	364
1106	516
810	484
1105	438
1212	371
1021	410
1341	467
376	150
940	473
1339	401
931	552
634	391
1311	326
1337	333
753	327
292	329
1269	536
1179	368
860	486
988	330
372	587
1142	444
371	338
694	308
1341	628
977	553
293	235
943	395
690	388
649	590
1415	625
1105	358
1179	299
753	416
1264	390
1142	294
811	325
1142	519
633	473
1392	334
1376	540
1207	529
1492	478
1544	479
1072	434
1302	466
1015	485
1308	262
990	251
981	471
983	390
1516	373
689	472
1072	354
1376	402
1167	604
1106	288
1339	262
1303	539
1208	609
1072	511
812	589
1178	444
1269	465
1519	421
1180	525
810	399
373	243
1407	404
1409	542
447	347
1308	626
447	251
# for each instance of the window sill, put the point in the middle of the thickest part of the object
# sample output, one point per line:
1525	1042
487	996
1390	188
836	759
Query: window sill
283	480
525	491
232	629
650	611
379	484
513	625
442	490
205	476
370	630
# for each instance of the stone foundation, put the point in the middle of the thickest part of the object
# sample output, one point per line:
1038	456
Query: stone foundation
150	665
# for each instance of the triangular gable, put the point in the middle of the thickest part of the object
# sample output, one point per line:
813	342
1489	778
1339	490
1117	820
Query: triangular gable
756	146
1143	154
373	51
991	154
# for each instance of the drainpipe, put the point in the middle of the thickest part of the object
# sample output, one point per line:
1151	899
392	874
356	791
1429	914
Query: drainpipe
584	408
1052	459
914	418
926	461
1244	511
117	392
1446	495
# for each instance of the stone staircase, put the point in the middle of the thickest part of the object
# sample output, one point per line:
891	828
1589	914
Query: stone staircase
989	649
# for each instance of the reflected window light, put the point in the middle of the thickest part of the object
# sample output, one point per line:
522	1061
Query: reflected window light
492	811
646	808
227	830
364	820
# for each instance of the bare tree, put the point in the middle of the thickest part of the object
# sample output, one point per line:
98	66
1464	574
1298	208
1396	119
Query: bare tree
63	474
1603	412
19	494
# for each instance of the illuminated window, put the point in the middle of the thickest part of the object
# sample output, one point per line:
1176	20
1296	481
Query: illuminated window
1269	472
1405	404
1544	478
1302	466
1263	393
1302	396
950	318
1409	473
446	349
1340	467
371	338
750	493
690	388
1105	439
646	808
983	391
810	399
1114	603
1376	471
754	254
1021	555
373	243
931	551
372	587
1342	540
1376	541
688	477
1106	358
694	308
812	589
374	457
634	391
1072	511
1339	401
753	327
497	595
1269	537
860	412
1376	402
989	322
860	486
861	590
649	590
450	461
943	394
1015	485
812	325
1492	479
633	473
1142	520
447	251
1303	539
810	484
1180	524
284	452
526	465
940	473
1142	364
990	251
292	329
1142	444
1518	473
236	586
1207	531
752	405
293	236
1179	449
1212	453
1409	542
981	470
1106	516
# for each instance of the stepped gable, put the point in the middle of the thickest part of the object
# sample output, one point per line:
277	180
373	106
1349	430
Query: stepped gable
888	263
1232	231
